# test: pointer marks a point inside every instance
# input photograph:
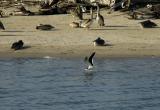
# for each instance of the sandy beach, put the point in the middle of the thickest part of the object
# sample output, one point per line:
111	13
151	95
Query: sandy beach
128	39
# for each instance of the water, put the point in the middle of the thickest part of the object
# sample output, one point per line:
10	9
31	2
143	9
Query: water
62	84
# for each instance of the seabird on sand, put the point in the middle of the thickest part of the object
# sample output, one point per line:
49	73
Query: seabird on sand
99	17
148	24
74	24
77	13
99	42
44	27
87	22
17	45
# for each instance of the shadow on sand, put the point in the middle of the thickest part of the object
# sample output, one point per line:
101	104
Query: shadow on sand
17	31
101	29
12	35
24	47
116	27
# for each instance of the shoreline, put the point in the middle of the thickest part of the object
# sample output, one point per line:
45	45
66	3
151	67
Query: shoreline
128	39
80	51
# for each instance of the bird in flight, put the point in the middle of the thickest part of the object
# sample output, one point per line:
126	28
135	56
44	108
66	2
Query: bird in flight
90	61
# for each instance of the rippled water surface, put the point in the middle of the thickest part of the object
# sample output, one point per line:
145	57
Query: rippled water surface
62	84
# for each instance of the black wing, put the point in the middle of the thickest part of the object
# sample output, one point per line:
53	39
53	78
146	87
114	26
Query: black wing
91	57
2	26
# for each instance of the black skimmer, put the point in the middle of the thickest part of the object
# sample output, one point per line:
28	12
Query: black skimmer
17	45
90	61
99	42
44	27
148	24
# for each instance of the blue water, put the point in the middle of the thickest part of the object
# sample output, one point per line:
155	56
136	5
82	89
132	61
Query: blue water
62	84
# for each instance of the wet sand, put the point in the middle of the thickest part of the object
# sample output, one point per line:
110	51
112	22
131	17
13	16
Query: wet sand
128	39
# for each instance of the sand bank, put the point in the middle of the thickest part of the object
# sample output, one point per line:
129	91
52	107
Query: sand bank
128	39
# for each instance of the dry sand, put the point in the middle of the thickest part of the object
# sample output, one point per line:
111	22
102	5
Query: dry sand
128	39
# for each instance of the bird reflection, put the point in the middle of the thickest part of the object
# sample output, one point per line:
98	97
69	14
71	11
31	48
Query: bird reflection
89	75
